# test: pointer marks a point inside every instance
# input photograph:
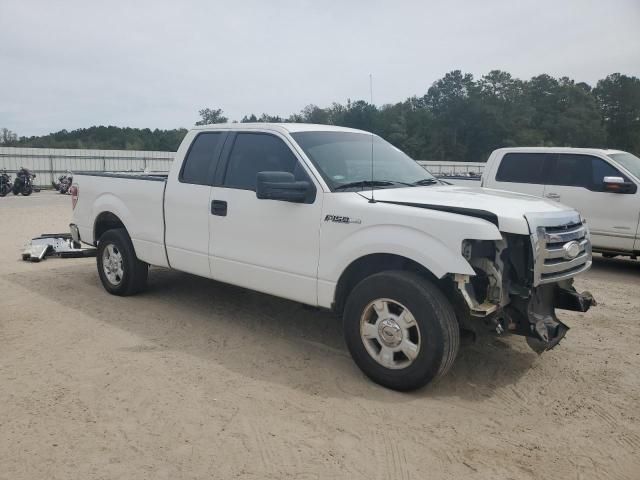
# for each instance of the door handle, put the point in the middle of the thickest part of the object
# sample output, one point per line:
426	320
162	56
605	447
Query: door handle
553	196
219	207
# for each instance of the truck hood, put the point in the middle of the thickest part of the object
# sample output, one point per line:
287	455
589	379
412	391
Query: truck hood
506	209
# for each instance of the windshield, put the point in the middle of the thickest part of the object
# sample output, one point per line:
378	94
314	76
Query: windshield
344	161
628	161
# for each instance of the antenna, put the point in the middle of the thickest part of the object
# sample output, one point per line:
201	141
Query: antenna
371	200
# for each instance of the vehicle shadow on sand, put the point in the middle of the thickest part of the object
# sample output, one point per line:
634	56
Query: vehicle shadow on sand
262	337
623	267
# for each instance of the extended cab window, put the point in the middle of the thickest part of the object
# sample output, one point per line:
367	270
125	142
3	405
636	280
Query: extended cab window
522	168
586	171
259	152
201	159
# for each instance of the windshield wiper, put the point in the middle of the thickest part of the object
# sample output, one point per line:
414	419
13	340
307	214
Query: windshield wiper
365	183
376	183
426	181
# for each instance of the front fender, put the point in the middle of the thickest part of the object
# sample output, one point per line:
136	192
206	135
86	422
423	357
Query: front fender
432	239
404	241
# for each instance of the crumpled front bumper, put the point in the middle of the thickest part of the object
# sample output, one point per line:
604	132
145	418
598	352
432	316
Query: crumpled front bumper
535	317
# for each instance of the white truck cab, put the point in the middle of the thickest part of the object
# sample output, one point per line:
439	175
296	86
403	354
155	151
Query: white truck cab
340	219
601	184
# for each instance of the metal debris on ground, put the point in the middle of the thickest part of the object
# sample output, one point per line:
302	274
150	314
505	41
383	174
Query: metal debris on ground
55	244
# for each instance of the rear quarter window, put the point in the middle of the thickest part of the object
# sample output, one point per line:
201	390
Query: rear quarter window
202	158
522	168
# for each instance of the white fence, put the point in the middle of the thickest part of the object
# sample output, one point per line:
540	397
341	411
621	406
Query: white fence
453	168
49	163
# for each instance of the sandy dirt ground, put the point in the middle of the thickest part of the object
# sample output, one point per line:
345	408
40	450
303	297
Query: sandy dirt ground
197	379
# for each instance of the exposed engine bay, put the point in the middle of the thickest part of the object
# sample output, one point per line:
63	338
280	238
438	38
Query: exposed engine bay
505	296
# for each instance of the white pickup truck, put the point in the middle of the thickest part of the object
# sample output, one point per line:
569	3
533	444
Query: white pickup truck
601	184
340	219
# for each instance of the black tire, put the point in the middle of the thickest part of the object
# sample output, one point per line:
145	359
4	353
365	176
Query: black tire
26	190
4	189
434	318
135	272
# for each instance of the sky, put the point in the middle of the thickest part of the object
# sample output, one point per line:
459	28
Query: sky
72	64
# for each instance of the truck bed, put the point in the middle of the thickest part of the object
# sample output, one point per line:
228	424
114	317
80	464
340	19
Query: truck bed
137	201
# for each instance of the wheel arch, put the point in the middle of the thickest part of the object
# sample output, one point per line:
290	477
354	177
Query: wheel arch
106	221
370	264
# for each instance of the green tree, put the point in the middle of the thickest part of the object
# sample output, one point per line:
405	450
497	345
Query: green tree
8	138
618	97
564	114
250	119
315	114
264	118
453	102
109	138
503	98
209	116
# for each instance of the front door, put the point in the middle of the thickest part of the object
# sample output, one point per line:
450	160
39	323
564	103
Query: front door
576	180
265	245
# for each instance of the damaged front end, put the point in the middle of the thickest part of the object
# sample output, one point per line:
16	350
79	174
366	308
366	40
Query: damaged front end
520	281
535	317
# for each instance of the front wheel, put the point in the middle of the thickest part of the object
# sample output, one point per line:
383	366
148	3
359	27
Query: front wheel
120	271
26	190
4	189
401	330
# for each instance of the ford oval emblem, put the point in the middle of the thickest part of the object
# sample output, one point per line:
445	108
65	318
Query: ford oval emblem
571	250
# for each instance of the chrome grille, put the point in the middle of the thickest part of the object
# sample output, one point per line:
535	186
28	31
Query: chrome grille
561	247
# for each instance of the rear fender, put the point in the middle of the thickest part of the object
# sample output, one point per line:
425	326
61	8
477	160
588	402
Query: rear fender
107	202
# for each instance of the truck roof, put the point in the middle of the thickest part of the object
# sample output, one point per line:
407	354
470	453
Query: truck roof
601	151
280	127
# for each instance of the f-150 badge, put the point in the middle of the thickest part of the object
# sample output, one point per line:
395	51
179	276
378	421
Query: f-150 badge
341	219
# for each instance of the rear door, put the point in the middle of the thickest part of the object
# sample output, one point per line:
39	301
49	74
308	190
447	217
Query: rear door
267	245
522	172
187	205
576	180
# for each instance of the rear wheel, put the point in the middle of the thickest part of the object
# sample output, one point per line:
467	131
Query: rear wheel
401	330
119	269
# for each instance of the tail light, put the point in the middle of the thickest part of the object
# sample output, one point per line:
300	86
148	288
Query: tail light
75	192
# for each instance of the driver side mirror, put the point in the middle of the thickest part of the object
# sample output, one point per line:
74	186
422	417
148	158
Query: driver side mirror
618	185
283	186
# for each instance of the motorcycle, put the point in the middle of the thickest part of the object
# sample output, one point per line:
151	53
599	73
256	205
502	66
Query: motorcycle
5	183
24	182
64	182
